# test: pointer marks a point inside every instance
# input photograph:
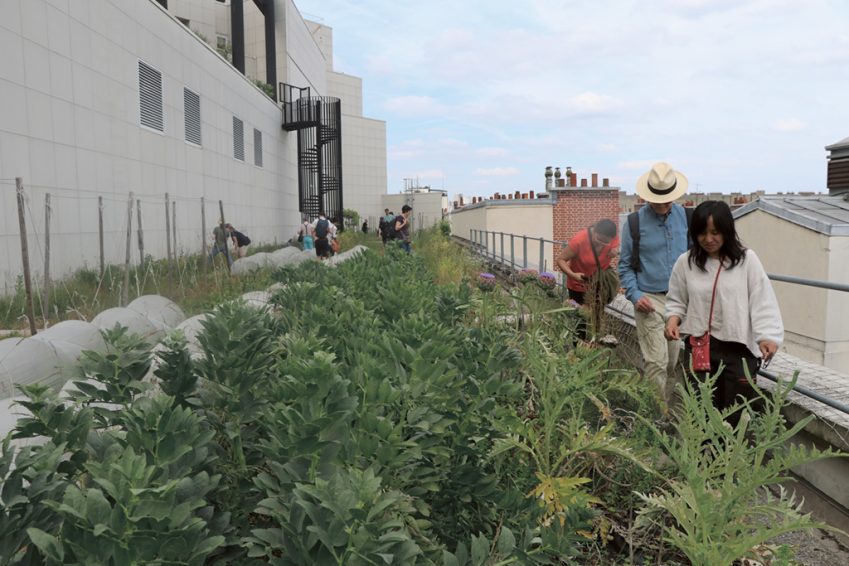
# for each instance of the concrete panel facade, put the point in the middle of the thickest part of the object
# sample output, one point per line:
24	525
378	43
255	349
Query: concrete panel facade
69	125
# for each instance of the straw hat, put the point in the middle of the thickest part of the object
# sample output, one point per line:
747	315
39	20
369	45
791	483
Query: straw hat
661	184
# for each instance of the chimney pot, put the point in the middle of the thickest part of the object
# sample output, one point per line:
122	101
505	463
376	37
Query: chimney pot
595	179
524	195
574	180
583	182
605	182
532	194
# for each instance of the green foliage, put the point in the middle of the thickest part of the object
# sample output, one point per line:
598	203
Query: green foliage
719	507
351	218
263	86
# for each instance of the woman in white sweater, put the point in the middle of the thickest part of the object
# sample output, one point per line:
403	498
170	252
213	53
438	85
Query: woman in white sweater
746	327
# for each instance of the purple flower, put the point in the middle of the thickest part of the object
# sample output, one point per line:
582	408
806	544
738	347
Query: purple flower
547	280
527	275
486	281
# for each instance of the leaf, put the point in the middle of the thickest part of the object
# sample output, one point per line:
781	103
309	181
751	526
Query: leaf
506	542
47	544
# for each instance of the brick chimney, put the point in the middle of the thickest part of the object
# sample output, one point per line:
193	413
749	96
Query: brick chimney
532	194
574	181
595	179
583	182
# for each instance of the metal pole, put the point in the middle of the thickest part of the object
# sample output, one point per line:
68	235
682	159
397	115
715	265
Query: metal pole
541	255
524	251
125	289
221	223
100	235
19	184
502	248
809	282
45	301
140	234
512	252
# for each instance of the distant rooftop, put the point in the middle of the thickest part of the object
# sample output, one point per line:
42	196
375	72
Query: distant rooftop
844	143
824	214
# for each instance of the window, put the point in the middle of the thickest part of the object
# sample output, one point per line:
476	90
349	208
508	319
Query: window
257	148
238	139
191	104
150	98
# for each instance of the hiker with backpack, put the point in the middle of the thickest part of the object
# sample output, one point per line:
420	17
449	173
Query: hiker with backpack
655	237
306	234
321	229
240	242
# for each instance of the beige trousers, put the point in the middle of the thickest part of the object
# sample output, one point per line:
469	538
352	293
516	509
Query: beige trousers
659	354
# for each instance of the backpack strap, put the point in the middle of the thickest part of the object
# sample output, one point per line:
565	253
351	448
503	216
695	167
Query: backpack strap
634	228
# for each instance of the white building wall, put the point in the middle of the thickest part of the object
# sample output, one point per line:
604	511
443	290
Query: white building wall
349	89
836	354
427	207
306	65
69	125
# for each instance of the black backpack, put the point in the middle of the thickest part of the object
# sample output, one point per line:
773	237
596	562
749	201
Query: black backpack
634	228
321	228
390	229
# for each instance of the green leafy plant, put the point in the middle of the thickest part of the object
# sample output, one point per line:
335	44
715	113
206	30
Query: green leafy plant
719	506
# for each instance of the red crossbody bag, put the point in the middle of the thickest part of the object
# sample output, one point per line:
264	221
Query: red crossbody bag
700	345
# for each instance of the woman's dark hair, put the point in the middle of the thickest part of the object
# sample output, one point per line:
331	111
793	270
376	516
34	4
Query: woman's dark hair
731	250
605	227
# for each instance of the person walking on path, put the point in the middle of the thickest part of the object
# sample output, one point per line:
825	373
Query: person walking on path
645	267
220	244
402	227
240	242
306	234
321	229
365	227
386	223
720	288
578	258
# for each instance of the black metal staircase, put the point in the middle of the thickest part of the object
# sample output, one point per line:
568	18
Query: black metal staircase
318	121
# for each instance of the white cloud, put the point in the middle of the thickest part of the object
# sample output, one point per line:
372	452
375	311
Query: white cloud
491	152
606	147
497	172
592	103
642	165
413	105
789	125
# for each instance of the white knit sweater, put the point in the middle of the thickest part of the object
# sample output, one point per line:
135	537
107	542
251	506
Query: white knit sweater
745	311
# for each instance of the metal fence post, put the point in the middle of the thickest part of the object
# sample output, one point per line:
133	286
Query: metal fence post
524	251
502	248
541	255
512	252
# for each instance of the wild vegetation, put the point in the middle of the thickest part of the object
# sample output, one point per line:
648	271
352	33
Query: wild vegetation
388	412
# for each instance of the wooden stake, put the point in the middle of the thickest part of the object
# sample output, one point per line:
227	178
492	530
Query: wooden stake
19	184
45	301
203	233
174	227
140	234
168	227
168	239
100	235
125	290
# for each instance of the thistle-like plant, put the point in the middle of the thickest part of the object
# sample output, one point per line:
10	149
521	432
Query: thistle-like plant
718	503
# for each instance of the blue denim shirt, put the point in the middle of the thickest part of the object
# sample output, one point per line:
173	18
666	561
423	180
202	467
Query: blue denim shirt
662	240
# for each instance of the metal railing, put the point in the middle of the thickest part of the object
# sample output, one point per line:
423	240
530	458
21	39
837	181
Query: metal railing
480	241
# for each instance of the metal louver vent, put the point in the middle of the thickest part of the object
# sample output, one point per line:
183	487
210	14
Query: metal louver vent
150	98
191	103
257	148
238	139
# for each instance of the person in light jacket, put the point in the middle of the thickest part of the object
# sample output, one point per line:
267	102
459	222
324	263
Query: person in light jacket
746	328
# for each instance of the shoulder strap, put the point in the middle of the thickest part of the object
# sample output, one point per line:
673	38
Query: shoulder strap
713	297
592	247
689	211
634	228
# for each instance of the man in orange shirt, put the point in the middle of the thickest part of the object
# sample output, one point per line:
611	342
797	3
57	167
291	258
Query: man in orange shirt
588	250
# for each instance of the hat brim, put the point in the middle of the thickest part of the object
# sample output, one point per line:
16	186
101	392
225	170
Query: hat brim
644	192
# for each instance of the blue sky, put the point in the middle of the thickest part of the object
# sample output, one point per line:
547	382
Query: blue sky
480	96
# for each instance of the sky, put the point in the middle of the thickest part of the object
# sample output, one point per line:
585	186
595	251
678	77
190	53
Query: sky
479	96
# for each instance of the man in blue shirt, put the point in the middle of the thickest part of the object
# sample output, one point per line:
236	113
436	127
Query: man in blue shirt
662	238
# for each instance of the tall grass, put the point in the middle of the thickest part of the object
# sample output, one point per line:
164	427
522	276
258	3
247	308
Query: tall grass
196	287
